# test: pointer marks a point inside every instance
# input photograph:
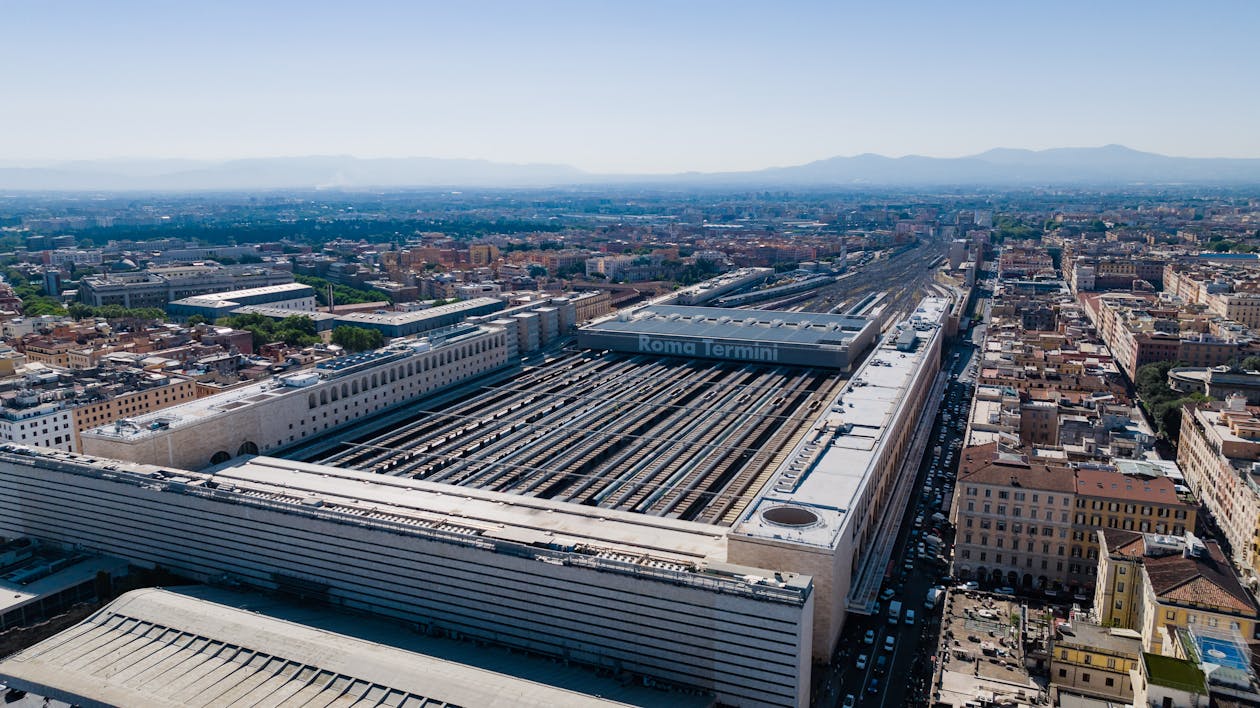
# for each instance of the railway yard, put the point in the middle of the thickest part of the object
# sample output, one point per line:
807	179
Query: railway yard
663	436
660	436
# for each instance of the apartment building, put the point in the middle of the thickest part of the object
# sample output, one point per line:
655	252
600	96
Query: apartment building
1219	452
1095	660
1141	331
1033	524
46	424
1157	584
1109	499
1012	520
165	391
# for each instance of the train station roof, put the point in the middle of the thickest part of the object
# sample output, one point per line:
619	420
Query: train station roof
201	646
764	326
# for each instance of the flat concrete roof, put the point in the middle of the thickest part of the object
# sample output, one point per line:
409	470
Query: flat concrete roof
14	593
211	299
207	647
832	464
766	326
504	516
669	550
401	318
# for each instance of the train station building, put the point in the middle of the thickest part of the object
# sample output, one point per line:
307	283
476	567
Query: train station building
724	492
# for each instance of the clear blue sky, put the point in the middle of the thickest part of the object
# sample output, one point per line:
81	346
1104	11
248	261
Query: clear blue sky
634	86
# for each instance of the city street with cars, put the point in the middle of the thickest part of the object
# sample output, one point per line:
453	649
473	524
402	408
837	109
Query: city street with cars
886	659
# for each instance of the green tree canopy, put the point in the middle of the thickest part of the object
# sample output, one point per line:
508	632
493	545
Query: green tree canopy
80	311
357	339
294	330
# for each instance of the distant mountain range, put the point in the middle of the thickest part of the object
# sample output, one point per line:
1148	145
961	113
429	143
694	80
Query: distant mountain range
1108	165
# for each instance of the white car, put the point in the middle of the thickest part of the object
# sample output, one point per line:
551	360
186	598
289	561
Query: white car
969	585
909	616
861	662
889	642
870	636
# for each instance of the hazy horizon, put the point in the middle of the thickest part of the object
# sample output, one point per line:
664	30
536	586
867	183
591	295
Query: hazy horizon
630	88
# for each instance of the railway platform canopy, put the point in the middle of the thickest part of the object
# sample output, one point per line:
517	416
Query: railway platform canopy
204	646
762	336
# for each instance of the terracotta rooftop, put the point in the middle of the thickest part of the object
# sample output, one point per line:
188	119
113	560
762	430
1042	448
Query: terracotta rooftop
1125	543
982	464
1115	485
1204	580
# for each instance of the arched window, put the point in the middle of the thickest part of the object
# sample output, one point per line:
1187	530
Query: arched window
323	398
219	458
334	393
345	390
247	448
310	400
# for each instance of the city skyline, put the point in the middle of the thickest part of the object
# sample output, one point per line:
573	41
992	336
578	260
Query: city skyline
634	89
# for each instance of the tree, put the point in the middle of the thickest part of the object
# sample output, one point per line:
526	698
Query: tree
294	330
1151	380
81	311
1251	363
357	339
342	294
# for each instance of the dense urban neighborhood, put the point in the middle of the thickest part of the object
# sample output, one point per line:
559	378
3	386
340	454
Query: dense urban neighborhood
646	447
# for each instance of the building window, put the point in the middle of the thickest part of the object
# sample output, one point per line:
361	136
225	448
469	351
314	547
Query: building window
1170	615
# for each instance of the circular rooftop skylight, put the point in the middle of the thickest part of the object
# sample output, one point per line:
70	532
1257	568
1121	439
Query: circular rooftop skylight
793	516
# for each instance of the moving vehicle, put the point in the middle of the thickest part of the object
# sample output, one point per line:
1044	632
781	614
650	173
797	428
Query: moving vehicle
909	616
890	642
861	662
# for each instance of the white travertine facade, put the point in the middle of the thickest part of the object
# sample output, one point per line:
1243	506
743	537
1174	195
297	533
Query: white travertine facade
623	591
276	413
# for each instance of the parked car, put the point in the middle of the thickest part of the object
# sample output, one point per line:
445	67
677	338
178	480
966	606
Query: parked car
849	701
861	662
887	594
890	642
870	636
909	616
969	585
